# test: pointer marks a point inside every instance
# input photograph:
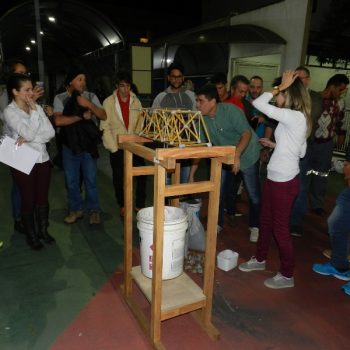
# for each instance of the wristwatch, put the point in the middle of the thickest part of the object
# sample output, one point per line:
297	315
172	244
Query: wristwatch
277	89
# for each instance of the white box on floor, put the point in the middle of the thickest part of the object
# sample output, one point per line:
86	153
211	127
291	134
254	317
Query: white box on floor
227	260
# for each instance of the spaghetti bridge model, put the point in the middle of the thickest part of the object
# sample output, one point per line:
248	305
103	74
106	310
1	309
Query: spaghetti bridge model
175	127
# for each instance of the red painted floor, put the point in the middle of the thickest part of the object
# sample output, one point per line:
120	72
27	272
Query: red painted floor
315	314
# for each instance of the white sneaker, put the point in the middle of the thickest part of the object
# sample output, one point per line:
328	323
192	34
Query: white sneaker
254	234
279	281
252	265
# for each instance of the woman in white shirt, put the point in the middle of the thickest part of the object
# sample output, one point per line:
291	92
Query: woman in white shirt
27	123
282	184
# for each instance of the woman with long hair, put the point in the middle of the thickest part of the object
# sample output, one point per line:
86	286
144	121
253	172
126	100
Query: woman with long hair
27	123
292	111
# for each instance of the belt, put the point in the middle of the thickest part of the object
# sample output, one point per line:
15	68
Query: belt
317	173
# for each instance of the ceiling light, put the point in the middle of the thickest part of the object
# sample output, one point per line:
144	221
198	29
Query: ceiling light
33	41
52	19
41	32
27	48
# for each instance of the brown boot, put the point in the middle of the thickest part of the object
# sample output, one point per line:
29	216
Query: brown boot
73	216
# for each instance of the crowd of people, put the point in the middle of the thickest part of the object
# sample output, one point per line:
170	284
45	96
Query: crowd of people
291	128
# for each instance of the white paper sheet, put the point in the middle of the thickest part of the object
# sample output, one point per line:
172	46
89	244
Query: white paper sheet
21	157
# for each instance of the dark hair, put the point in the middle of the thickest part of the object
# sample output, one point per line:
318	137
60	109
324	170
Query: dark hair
8	68
176	66
304	69
337	80
72	73
134	89
256	77
277	81
123	76
15	81
209	91
219	78
238	78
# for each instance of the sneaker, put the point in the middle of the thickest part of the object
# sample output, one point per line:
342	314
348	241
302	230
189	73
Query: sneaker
235	214
328	254
329	270
73	216
95	218
252	265
254	234
279	281
346	288
296	231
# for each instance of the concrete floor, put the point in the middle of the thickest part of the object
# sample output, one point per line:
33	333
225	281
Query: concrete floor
67	295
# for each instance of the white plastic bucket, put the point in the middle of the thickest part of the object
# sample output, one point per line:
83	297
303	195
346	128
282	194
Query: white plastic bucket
227	260
175	226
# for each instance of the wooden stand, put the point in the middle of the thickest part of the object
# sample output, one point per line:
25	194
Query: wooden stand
180	295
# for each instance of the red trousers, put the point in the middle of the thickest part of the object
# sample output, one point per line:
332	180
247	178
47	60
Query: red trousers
276	206
34	188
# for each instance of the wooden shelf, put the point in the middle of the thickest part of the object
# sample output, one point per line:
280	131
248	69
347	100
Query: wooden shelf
171	298
178	294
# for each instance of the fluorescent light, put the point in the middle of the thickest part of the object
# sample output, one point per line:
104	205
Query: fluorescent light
33	41
27	48
52	19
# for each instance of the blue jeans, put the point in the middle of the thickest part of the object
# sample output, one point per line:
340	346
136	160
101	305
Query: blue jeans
339	230
184	174
318	157
72	164
250	177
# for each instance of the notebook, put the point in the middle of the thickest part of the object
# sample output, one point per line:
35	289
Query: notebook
21	157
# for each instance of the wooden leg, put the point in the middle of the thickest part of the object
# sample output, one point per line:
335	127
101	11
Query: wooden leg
128	190
157	267
210	252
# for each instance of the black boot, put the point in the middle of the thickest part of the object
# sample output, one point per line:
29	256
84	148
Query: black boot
18	226
42	215
29	227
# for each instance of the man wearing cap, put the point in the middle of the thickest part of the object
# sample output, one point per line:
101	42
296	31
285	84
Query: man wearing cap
83	161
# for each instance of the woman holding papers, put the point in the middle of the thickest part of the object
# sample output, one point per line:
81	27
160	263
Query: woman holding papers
28	123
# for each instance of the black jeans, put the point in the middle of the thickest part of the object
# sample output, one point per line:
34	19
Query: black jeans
117	163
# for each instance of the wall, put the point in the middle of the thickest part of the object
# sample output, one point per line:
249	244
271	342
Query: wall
289	19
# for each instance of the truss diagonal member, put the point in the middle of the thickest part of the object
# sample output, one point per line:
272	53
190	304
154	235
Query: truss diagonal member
174	126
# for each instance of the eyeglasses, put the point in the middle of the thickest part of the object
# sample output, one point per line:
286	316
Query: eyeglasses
176	77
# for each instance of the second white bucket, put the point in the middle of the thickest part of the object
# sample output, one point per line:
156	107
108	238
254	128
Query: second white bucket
175	226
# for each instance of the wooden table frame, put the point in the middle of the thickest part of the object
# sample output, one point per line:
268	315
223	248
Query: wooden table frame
164	306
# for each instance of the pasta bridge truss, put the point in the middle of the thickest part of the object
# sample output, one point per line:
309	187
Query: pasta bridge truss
175	127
